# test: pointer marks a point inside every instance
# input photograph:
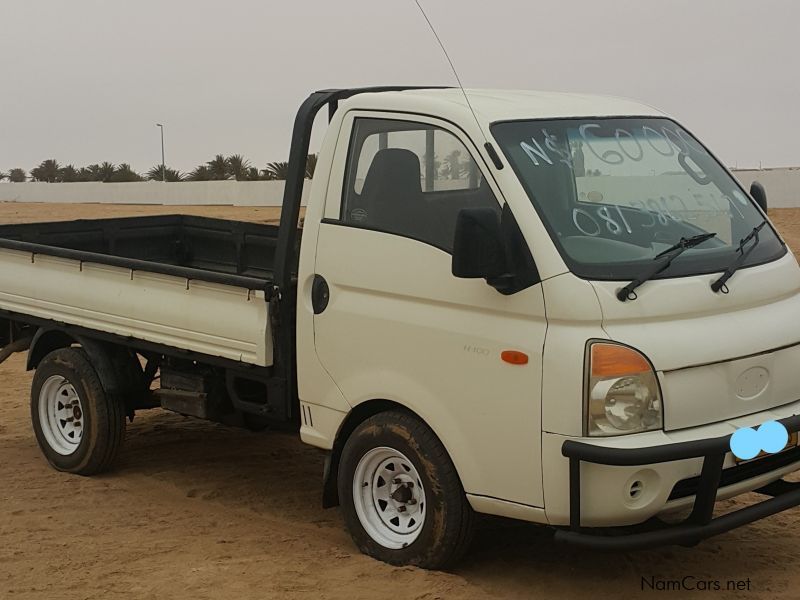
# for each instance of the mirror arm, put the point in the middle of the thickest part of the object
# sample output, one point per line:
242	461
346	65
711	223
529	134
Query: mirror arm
503	284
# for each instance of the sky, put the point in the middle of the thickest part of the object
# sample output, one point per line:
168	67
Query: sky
85	81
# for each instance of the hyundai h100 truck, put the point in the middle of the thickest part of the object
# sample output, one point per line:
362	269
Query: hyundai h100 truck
551	307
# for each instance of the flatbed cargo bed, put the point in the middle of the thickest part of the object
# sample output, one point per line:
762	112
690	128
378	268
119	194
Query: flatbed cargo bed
187	282
200	247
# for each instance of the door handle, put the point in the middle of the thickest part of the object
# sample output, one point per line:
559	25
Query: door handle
320	294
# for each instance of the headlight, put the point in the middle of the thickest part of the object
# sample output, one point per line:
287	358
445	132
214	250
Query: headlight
623	395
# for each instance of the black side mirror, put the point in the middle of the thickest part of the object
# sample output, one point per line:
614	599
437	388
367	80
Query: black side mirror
759	194
479	249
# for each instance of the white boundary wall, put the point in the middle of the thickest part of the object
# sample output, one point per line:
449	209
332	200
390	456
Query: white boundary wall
782	185
783	191
237	193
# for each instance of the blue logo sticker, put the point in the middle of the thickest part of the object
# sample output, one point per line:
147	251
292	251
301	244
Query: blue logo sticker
770	437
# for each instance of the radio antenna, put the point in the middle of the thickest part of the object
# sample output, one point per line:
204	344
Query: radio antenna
450	61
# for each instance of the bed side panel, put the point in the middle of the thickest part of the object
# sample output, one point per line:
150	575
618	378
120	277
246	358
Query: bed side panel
210	318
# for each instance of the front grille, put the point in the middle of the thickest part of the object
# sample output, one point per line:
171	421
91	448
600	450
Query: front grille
732	475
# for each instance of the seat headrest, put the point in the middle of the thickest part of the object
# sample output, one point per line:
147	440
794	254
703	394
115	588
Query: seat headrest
393	169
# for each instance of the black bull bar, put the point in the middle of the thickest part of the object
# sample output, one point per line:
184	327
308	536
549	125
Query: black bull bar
700	524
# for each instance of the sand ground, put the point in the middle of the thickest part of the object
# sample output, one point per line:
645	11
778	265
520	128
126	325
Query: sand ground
199	510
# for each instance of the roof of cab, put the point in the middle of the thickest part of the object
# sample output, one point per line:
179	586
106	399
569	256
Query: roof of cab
502	105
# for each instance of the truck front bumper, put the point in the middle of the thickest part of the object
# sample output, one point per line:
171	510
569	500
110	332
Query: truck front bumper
700	524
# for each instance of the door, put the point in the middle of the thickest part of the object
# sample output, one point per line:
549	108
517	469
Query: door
396	325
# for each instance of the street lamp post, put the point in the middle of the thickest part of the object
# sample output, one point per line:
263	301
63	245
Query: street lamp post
163	162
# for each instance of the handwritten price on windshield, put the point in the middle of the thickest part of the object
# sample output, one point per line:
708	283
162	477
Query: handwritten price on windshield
592	222
664	142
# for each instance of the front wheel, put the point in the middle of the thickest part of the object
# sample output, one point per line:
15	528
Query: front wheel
402	500
79	427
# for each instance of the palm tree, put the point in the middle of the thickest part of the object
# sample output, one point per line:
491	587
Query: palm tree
90	173
454	168
17	175
47	171
277	170
155	174
106	171
311	165
125	173
218	167
68	174
238	167
201	173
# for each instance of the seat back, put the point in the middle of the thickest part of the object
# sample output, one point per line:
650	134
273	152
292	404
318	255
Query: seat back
392	193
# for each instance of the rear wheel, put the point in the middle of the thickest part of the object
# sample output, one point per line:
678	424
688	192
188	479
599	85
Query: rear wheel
78	426
401	496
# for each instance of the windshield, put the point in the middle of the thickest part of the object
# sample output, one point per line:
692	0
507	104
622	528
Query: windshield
614	193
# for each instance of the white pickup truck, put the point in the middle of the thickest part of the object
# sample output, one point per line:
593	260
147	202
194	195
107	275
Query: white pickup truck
556	308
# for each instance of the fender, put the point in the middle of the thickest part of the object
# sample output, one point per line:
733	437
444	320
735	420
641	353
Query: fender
359	414
113	364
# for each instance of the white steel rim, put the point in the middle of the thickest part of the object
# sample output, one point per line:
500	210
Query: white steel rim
389	497
61	415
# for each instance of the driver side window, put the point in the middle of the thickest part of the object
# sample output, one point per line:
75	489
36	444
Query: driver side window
410	179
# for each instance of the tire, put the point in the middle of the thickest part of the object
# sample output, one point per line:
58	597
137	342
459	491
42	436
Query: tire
435	526
66	386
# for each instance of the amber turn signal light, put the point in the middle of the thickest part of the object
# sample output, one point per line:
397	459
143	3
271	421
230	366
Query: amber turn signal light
514	357
613	360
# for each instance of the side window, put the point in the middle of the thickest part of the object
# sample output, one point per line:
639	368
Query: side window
410	179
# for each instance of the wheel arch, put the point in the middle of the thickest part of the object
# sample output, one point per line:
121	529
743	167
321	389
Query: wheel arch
112	363
359	413
44	341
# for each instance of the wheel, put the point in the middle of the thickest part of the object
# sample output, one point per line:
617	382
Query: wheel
401	497
79	428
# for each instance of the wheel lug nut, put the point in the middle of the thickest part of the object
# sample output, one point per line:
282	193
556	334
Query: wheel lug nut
401	508
411	502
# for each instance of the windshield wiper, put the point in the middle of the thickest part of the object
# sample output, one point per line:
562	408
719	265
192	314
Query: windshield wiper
719	284
666	257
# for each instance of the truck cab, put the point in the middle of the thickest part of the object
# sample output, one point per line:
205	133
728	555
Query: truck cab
474	252
557	308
